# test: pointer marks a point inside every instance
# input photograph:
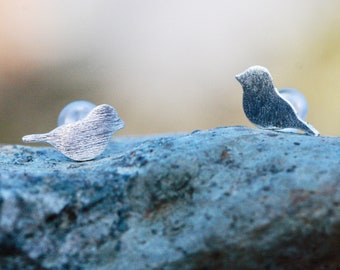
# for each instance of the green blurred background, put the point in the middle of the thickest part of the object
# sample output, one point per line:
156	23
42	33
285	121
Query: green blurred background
166	66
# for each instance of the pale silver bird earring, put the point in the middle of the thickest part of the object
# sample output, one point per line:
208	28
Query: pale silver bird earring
268	108
83	132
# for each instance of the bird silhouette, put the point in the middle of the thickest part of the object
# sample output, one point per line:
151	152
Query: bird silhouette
264	106
85	139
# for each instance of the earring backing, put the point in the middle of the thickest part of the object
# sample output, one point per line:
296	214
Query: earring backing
84	139
75	111
297	100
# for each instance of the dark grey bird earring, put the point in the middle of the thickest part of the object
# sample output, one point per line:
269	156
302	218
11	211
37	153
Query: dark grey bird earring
266	107
84	136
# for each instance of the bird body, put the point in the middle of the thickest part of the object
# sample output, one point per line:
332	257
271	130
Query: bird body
86	138
264	106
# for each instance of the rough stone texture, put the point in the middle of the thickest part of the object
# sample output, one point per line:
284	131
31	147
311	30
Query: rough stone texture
228	198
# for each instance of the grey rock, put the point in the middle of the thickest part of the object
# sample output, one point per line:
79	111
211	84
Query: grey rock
227	198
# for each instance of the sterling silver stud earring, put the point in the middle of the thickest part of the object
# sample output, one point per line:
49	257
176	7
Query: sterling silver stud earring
265	107
83	139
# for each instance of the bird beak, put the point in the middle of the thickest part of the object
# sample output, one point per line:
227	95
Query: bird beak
238	77
120	124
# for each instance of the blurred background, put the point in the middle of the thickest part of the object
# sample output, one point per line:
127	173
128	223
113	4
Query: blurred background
166	66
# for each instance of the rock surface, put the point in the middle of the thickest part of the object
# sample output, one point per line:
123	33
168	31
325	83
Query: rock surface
228	198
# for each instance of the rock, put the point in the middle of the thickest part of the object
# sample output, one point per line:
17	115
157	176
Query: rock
227	198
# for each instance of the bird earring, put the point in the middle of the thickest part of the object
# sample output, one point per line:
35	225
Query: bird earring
268	108
84	130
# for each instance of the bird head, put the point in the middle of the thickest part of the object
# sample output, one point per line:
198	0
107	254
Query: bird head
106	115
255	78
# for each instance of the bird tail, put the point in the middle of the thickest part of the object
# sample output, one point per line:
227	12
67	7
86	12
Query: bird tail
310	130
34	138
